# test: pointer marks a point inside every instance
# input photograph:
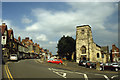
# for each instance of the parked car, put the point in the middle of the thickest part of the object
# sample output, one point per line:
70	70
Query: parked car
82	62
14	57
90	64
57	61
110	66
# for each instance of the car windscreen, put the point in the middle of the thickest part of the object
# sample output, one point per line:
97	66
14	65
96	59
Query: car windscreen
13	55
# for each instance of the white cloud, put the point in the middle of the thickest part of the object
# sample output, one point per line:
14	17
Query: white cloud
51	25
26	20
42	37
52	42
58	23
34	27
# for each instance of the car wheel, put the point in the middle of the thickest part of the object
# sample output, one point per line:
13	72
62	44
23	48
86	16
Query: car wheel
86	66
59	63
101	68
90	66
116	69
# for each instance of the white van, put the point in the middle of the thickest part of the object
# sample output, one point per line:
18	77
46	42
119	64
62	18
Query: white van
14	57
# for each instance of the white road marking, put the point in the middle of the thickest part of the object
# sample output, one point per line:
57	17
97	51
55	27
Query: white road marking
58	73
103	75
49	69
64	74
106	77
17	62
85	76
114	76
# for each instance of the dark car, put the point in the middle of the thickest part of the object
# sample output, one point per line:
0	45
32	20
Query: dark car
90	64
82	62
110	66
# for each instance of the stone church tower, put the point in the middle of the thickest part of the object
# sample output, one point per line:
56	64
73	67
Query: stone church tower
86	49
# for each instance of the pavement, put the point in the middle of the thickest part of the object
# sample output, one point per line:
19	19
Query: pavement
35	69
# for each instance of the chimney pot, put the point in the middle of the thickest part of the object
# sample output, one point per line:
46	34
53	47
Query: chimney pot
3	24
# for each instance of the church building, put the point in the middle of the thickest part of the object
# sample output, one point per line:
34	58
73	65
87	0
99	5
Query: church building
87	49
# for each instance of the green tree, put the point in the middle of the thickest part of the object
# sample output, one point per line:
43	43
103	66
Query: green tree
66	46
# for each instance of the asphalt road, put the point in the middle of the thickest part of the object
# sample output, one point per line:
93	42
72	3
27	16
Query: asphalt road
35	70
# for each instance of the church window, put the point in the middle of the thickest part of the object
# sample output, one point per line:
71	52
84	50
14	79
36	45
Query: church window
83	49
82	31
102	55
98	55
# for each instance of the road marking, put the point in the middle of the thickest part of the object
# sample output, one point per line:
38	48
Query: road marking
64	74
114	76
58	73
106	77
7	72
85	76
49	69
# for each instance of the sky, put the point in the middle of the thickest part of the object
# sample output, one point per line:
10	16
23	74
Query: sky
46	22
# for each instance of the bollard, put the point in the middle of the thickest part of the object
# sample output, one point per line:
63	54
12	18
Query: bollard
98	66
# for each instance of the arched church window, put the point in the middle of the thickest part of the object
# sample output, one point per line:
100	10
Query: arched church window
82	31
83	49
98	55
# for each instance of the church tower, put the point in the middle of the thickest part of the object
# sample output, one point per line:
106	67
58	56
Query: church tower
83	42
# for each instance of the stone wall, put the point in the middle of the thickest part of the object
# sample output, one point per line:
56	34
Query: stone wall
85	46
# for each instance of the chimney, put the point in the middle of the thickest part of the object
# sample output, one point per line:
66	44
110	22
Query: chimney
3	24
35	43
19	38
27	38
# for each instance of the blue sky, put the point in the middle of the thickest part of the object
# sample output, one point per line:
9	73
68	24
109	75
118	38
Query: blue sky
47	22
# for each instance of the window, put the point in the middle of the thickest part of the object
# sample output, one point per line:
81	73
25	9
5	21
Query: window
102	55
82	31
83	49
97	55
3	37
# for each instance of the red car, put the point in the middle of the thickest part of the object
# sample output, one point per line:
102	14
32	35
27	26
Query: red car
57	61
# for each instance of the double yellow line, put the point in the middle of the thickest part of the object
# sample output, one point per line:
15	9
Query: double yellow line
8	73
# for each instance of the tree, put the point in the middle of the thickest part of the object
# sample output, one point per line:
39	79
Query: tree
66	46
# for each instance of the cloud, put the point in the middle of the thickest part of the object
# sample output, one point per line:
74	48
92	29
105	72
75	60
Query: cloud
26	20
52	42
52	25
34	27
42	37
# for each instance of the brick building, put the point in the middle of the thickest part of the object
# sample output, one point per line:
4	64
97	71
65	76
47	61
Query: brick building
115	54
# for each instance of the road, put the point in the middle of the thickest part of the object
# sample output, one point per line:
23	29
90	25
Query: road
35	70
